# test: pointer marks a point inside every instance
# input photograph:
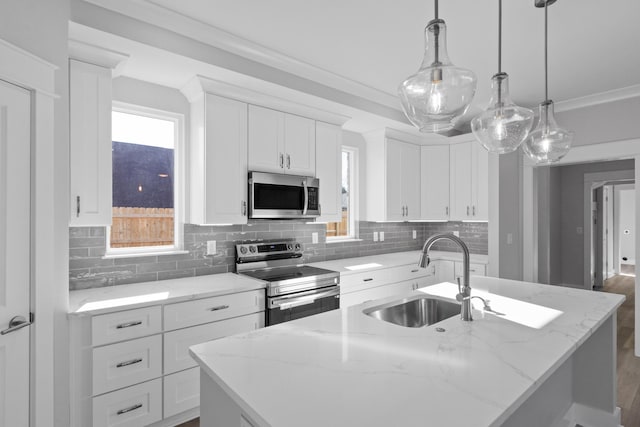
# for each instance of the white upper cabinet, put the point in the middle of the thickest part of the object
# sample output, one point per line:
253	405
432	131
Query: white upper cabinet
469	182
90	144
329	171
281	142
393	179
434	184
218	161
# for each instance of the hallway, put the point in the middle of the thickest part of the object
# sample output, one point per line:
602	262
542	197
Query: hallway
628	363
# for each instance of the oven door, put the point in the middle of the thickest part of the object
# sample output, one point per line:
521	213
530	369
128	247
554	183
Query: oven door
302	304
283	196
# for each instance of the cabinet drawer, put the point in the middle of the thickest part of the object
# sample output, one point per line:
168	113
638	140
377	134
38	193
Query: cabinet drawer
181	391
126	363
366	280
125	325
196	312
177	343
135	406
475	269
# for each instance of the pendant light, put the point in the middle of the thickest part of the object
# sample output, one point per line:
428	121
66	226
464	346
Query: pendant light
548	142
503	126
439	94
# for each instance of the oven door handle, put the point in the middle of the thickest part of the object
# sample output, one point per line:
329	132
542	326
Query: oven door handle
306	197
284	303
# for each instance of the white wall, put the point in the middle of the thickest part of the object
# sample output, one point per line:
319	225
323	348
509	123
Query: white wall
625	209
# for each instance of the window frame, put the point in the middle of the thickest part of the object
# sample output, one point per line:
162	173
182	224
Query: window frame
353	196
179	188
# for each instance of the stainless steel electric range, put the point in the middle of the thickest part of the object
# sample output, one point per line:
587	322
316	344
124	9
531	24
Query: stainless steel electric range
294	290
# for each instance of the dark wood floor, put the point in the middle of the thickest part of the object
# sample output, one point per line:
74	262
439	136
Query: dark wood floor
628	363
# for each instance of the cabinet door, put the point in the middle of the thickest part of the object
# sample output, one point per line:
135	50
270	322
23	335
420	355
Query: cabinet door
460	174
445	271
266	140
480	183
89	144
394	201
329	171
225	155
434	185
411	181
300	145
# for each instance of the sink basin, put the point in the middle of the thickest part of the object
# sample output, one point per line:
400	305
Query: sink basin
415	312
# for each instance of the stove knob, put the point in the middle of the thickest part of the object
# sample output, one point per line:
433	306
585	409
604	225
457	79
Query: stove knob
252	249
243	250
298	247
289	247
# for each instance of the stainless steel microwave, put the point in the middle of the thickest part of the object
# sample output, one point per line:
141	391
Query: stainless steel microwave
273	195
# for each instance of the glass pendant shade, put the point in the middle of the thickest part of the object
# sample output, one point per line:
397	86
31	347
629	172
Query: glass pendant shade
439	94
548	142
503	126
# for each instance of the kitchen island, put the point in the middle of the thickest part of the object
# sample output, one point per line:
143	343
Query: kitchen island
548	359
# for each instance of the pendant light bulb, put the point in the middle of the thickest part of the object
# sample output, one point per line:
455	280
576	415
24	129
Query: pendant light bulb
435	97
548	142
503	126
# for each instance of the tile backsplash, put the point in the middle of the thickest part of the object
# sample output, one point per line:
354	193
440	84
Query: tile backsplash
88	268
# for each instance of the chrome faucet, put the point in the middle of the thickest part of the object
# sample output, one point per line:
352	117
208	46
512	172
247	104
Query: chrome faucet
464	291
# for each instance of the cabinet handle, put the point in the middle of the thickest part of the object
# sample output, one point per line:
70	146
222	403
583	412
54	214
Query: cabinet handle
407	210
128	362
446	210
474	211
244	208
467	210
415	271
288	161
281	161
367	280
129	409
219	307
77	206
128	325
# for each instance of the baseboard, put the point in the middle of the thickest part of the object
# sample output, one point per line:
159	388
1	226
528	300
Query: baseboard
586	416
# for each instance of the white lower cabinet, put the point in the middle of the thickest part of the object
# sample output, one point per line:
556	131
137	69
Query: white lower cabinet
181	392
445	271
135	406
475	269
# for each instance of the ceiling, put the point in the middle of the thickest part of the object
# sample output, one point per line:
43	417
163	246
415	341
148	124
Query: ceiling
592	49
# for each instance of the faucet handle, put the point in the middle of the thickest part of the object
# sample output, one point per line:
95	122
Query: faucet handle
459	285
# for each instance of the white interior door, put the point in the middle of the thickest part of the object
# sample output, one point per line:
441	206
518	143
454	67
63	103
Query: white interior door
14	254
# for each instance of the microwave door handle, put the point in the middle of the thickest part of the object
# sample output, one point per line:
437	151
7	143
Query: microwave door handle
306	197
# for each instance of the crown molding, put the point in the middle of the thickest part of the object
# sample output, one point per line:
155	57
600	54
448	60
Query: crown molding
96	55
598	98
161	16
198	85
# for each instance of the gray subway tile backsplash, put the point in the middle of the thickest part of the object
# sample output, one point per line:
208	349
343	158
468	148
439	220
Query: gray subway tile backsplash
88	269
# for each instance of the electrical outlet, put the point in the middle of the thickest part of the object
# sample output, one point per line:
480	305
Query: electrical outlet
456	233
314	237
509	238
382	236
415	234
579	230
211	247
375	236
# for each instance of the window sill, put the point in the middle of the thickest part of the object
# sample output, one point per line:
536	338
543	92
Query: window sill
339	240
142	254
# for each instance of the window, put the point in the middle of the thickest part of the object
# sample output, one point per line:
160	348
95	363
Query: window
145	147
345	229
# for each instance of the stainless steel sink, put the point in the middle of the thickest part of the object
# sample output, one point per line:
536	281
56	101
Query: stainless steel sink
415	312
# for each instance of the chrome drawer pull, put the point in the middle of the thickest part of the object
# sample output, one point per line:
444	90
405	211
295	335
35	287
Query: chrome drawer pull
129	409
128	362
367	280
415	271
128	325
220	307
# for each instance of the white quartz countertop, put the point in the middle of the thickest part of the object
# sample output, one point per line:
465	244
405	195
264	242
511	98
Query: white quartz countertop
343	368
374	262
115	298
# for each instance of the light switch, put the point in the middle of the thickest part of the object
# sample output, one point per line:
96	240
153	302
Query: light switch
211	247
456	233
314	237
382	236
375	236
415	234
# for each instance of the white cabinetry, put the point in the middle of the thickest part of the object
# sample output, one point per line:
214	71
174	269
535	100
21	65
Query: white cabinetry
281	142
218	161
329	171
131	371
469	184
475	269
89	144
434	183
393	179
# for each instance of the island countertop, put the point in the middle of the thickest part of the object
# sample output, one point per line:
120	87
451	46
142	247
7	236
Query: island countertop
344	368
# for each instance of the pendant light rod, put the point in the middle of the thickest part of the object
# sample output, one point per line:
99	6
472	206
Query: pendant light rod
436	8
546	54
499	36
